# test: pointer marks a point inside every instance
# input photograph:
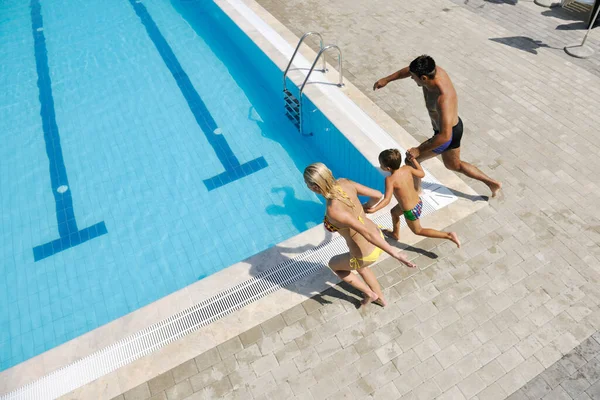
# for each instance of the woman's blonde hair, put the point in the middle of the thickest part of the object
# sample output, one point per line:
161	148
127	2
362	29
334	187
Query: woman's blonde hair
317	174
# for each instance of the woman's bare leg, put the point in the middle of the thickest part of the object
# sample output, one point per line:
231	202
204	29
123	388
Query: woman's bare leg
340	264
370	279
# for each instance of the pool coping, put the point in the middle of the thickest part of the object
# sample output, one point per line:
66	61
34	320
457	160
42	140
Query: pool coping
145	368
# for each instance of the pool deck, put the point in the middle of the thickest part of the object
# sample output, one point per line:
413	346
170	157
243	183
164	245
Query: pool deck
515	312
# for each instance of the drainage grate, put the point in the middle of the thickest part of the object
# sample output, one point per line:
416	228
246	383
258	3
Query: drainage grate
144	342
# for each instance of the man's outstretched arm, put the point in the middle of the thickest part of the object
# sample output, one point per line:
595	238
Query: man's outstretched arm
400	74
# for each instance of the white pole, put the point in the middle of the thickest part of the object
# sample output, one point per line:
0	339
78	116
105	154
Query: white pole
591	25
580	50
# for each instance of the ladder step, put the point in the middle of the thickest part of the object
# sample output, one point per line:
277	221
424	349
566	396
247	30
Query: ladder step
291	110
293	107
294	121
292	102
292	116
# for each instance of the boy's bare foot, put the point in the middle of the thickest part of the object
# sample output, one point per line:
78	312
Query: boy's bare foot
454	238
369	298
391	234
495	188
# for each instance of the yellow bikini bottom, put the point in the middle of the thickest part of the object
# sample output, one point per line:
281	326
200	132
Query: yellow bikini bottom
356	263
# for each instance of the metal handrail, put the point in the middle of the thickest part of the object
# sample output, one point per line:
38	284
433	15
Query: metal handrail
324	49
307	34
341	80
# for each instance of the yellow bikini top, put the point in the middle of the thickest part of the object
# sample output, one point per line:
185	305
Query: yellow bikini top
328	225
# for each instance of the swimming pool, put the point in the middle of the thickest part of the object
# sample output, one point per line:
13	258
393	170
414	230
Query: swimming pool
146	148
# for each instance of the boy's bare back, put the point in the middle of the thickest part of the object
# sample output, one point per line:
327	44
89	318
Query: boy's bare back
403	186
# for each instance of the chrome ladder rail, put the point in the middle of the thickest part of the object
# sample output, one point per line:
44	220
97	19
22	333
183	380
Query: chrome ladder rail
291	104
339	84
307	34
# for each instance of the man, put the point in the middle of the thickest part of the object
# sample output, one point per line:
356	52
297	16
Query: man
442	104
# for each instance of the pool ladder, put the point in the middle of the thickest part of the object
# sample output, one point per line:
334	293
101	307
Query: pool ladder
293	105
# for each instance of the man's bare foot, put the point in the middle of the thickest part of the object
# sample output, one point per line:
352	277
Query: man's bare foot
454	238
391	234
495	188
369	298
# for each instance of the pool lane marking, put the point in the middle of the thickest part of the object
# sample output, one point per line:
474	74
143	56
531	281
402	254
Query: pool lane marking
69	233
233	169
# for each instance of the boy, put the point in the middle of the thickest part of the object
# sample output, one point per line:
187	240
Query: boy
400	184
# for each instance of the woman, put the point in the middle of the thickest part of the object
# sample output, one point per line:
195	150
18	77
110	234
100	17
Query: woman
345	215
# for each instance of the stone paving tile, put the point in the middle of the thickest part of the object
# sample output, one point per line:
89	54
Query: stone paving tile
251	336
575	384
515	312
273	325
452	394
230	347
591	370
184	371
141	392
557	394
536	388
264	364
207	359
594	391
471	385
270	343
492	392
288	352
179	391
161	382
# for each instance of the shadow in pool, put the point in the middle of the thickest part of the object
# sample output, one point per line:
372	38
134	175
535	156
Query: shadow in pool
301	212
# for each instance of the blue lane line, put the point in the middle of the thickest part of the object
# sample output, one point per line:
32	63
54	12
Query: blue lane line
233	169
70	235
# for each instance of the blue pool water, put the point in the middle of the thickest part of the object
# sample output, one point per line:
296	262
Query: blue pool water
144	147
